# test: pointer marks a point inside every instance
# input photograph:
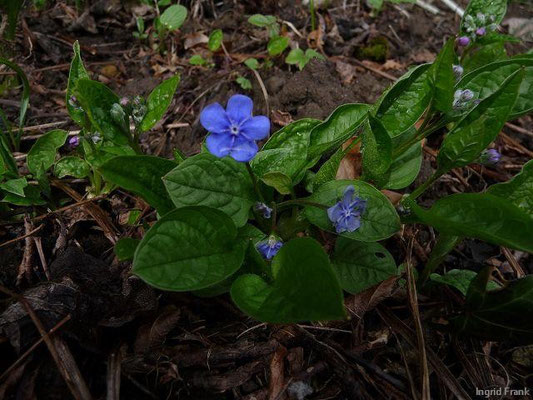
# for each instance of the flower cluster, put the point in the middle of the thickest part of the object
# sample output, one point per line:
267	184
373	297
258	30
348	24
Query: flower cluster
269	248
234	131
346	214
458	71
475	27
462	99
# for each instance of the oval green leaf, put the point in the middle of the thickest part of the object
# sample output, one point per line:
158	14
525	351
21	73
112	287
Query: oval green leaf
360	265
206	180
158	102
42	154
189	248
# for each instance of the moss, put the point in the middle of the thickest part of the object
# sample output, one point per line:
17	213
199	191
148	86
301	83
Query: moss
376	50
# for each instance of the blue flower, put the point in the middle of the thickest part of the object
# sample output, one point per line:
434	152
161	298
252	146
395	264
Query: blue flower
462	98
346	214
269	247
233	131
490	157
263	208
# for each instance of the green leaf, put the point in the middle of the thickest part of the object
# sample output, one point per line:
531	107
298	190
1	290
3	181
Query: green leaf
328	170
32	197
252	63
215	40
444	78
262	21
486	80
472	134
519	190
404	168
281	182
159	101
15	186
8	165
141	175
360	265
277	44
402	105
25	99
379	221
494	8
484	55
97	99
189	248
377	152
72	166
244	83
499	314
173	17
197	60
459	279
125	248
481	216
42	154
77	72
305	287
337	128
12	10
297	57
206	180
443	246
286	151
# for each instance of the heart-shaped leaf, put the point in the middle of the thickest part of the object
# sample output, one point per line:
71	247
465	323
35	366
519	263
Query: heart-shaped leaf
305	287
518	190
361	265
206	180
379	220
42	154
141	175
189	248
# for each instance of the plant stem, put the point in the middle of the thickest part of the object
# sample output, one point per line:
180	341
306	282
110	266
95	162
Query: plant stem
302	202
422	188
254	181
313	18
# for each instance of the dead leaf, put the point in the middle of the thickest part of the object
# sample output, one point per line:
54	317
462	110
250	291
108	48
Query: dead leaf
194	39
392	65
110	71
360	303
281	118
346	71
350	166
520	27
423	56
394	197
154	334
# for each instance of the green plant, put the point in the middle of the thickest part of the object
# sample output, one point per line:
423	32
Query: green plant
300	58
276	44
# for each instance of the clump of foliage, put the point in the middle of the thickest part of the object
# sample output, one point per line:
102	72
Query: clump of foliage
253	221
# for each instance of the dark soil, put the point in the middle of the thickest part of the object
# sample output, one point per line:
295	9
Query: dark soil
166	345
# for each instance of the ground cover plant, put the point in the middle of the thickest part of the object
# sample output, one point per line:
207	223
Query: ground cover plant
309	226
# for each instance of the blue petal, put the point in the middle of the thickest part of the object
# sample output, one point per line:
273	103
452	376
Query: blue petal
256	128
358	206
335	213
214	119
352	223
239	108
219	145
348	195
243	150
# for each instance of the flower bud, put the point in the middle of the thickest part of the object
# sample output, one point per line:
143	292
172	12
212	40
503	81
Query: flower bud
458	71
118	114
463	41
263	208
74	141
490	157
481	31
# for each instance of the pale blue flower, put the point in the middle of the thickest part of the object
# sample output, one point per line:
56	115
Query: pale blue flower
269	248
346	214
234	131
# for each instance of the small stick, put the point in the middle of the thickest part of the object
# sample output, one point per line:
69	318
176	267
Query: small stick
22	237
427	7
24	269
518	129
34	346
263	89
44	126
454	7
